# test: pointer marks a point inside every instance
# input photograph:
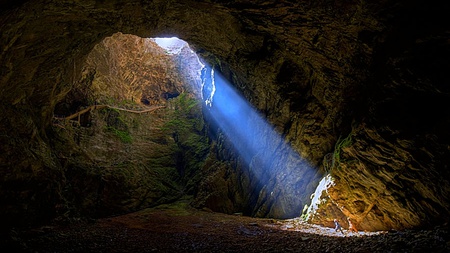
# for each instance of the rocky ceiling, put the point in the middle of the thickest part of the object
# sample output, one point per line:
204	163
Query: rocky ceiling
359	89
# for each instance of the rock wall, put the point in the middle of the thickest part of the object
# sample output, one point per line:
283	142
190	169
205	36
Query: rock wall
316	70
131	149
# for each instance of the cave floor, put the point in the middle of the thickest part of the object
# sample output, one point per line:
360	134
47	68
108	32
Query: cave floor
178	228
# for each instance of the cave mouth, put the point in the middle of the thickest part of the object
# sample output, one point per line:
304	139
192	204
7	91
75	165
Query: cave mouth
127	69
270	163
269	160
131	129
172	45
136	111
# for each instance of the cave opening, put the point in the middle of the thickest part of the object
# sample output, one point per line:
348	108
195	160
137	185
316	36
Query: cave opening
264	154
131	128
125	77
172	45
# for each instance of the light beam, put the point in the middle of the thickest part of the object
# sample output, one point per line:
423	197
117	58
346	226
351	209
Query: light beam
280	180
277	170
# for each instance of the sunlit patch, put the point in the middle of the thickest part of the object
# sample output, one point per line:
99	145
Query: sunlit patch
208	86
298	225
316	199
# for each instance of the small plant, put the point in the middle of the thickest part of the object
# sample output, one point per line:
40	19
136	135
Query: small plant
124	136
184	115
117	124
305	214
341	143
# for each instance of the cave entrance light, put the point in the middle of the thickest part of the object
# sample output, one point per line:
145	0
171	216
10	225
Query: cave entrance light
187	61
270	159
172	45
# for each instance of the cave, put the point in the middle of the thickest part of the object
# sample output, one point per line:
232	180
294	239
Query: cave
299	113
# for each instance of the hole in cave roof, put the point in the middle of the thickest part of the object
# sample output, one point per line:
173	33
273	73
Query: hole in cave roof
172	45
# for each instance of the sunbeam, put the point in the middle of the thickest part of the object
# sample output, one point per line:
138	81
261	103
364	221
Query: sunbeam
277	170
280	180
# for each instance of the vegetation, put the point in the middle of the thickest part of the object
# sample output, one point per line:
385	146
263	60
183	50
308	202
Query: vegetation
185	124
341	143
333	160
183	118
116	124
124	136
124	103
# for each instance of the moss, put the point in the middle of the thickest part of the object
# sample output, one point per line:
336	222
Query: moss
340	144
185	124
305	213
184	117
117	124
124	136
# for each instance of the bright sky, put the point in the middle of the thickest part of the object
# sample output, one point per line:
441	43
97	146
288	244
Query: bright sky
172	45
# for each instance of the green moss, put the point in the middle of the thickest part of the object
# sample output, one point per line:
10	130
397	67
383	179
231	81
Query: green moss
124	136
117	124
184	117
340	144
185	124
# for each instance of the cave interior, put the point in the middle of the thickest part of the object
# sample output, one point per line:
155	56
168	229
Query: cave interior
316	110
